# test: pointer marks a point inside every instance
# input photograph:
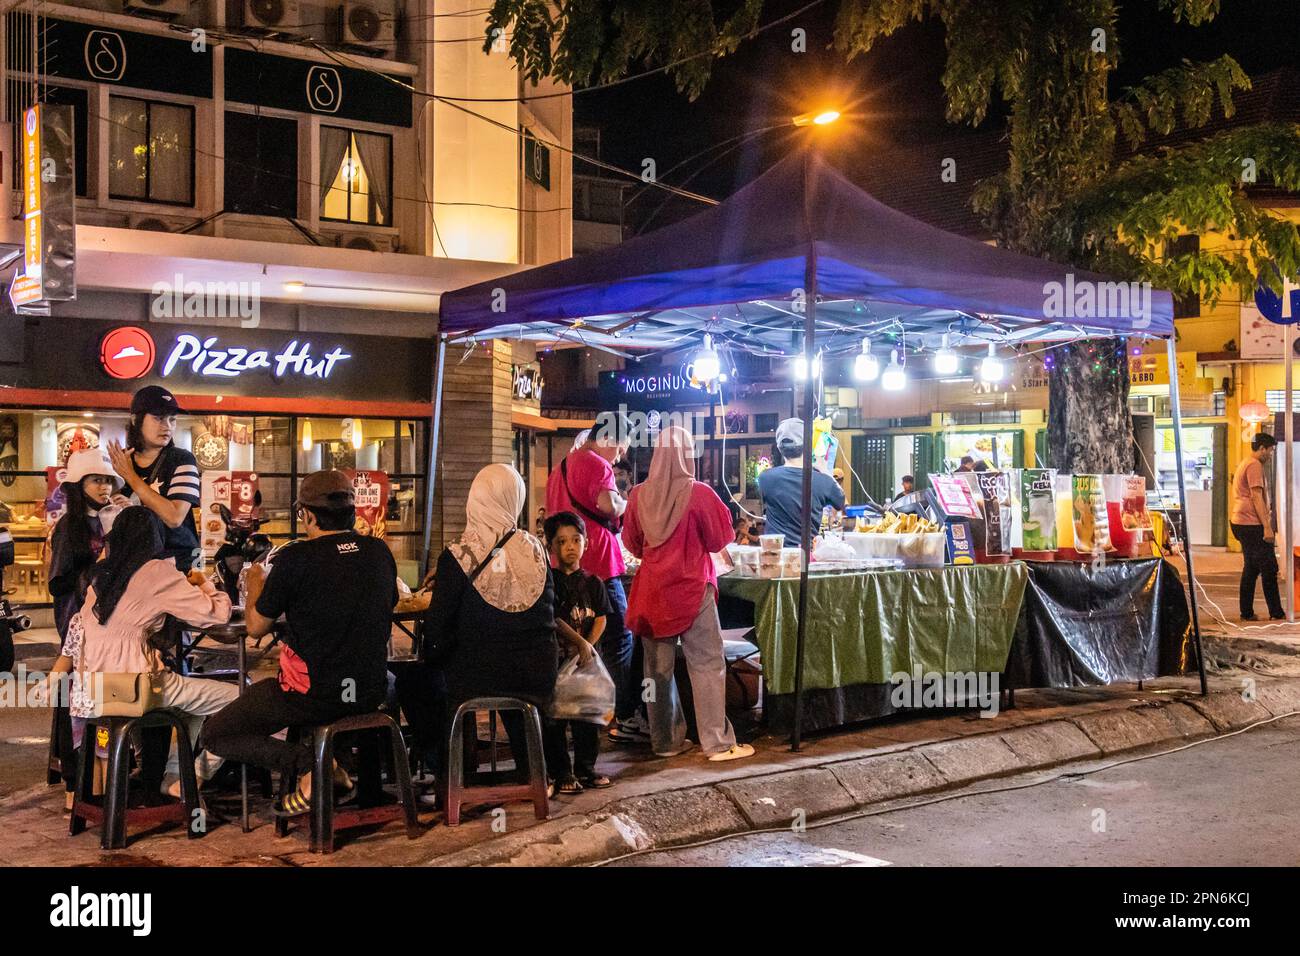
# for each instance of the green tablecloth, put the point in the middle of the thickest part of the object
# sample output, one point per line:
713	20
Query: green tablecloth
865	627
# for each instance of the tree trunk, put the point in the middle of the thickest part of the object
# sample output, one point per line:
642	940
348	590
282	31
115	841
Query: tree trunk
1089	428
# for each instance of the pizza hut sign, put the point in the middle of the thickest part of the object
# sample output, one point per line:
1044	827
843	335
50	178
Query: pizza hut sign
528	383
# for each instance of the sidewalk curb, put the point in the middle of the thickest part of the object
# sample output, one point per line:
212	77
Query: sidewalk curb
674	817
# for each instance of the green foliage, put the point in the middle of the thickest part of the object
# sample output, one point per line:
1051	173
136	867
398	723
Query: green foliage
1068	193
594	41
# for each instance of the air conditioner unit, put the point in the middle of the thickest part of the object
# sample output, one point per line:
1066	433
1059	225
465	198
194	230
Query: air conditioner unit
158	9
368	24
265	16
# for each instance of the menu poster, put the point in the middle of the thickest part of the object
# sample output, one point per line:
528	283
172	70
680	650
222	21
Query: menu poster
995	491
237	491
1133	512
954	497
55	503
1038	509
1091	527
371	491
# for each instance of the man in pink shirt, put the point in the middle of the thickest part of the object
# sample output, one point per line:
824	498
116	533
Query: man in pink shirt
584	484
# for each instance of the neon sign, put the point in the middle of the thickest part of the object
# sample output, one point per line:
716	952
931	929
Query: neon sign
205	358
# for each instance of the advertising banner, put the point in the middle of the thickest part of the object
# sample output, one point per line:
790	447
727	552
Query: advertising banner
1038	509
1091	527
237	490
371	490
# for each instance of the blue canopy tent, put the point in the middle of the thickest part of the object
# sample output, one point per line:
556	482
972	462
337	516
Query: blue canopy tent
801	249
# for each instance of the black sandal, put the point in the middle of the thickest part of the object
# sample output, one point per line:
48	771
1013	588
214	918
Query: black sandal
568	786
597	781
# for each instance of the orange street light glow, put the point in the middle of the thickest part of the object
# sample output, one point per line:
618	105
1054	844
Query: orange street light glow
817	119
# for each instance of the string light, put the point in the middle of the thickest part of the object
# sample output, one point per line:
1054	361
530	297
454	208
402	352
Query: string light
894	378
707	365
991	369
866	367
801	366
945	360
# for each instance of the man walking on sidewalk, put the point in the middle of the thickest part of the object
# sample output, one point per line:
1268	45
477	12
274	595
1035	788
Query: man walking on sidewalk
1252	525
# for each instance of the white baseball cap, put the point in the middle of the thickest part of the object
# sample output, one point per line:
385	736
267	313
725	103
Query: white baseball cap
91	461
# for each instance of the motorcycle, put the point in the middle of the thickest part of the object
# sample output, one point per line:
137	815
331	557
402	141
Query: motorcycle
244	546
11	620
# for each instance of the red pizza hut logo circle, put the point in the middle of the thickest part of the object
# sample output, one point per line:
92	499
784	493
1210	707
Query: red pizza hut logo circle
127	352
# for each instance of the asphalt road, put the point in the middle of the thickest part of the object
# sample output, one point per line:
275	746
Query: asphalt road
1229	802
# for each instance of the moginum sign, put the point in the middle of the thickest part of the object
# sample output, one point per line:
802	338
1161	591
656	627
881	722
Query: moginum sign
206	358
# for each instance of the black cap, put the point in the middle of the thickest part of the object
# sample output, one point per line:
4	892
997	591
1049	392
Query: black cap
155	400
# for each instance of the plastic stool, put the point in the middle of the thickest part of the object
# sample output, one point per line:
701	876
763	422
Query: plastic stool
60	730
325	819
112	813
534	790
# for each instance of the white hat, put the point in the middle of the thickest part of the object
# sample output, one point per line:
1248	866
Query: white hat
91	461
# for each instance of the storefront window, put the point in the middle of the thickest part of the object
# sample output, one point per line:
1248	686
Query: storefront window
151	151
279	450
356	174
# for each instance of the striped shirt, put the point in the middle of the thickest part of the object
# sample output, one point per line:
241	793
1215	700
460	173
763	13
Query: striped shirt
175	476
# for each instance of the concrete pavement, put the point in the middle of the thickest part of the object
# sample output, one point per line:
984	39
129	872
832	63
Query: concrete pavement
657	803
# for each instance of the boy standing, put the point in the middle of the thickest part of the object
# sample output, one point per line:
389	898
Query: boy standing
581	606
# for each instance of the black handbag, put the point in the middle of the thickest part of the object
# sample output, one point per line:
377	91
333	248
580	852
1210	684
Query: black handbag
439	640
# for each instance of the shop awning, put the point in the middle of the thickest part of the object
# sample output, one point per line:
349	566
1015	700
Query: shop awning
738	269
544	423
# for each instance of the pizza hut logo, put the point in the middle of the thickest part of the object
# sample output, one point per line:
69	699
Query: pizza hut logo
127	352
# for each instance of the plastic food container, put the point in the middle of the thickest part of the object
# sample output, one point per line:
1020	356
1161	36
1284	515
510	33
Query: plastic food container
771	543
916	550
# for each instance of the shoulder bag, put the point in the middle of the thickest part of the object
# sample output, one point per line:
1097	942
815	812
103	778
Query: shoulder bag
609	524
437	647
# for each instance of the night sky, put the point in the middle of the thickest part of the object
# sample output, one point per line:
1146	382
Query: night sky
892	95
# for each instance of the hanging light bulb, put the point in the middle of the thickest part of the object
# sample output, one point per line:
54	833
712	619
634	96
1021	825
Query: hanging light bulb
357	440
866	367
945	360
894	378
801	367
306	435
991	369
707	366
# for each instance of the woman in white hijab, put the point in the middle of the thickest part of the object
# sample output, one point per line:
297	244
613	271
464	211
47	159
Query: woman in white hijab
674	524
490	627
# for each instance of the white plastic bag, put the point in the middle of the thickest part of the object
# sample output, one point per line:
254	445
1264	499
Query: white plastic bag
583	693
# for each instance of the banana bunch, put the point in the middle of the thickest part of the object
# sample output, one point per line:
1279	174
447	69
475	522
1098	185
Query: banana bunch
893	523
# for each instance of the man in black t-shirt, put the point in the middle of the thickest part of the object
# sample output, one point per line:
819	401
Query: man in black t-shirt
336	591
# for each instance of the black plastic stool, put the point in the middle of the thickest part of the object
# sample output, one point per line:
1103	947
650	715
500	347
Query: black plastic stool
325	819
534	790
60	731
112	813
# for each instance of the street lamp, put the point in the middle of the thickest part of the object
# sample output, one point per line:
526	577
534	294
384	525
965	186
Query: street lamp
821	118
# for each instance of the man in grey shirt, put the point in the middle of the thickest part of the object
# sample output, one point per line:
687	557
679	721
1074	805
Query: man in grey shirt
781	487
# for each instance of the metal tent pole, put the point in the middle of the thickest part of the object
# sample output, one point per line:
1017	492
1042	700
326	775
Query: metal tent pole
1288	514
809	337
1175	407
435	434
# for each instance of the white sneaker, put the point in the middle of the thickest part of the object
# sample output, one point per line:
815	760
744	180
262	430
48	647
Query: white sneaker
686	747
736	752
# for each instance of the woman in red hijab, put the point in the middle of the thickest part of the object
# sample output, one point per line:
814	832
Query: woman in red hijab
674	524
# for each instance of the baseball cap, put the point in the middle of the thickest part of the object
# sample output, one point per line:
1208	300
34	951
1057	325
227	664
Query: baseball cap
789	437
326	489
155	400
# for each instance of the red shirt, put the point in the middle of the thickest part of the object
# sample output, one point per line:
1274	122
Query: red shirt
669	586
589	475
